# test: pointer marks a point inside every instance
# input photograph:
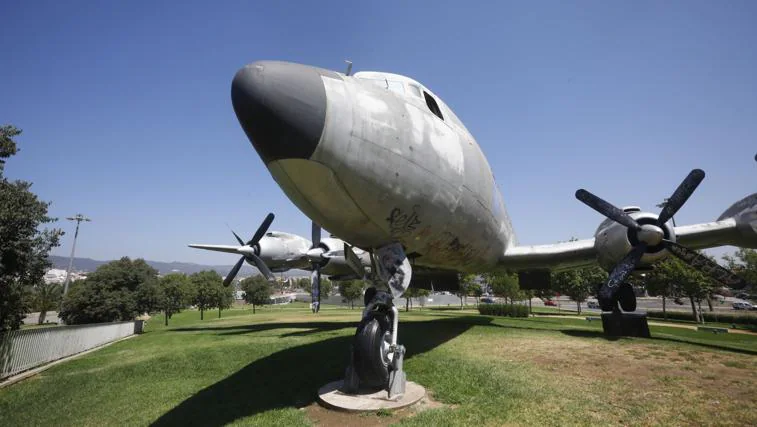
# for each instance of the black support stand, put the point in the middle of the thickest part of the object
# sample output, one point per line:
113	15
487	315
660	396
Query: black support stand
617	324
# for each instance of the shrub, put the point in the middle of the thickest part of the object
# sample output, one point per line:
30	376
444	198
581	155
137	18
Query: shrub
709	316
511	310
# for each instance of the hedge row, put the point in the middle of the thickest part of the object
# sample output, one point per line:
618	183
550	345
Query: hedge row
511	310
709	316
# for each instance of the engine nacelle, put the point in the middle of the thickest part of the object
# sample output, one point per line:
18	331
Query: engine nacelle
613	241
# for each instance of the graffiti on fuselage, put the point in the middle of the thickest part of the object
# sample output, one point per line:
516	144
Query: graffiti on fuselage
402	223
448	247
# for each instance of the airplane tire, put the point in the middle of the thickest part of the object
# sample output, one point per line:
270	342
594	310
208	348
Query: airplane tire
626	297
607	304
370	364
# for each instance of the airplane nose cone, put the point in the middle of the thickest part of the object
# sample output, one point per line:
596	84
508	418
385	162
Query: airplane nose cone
281	107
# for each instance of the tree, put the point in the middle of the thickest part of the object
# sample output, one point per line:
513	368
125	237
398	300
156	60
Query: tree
413	292
466	282
224	298
125	273
578	283
351	290
683	279
658	283
257	291
476	290
176	293
23	245
327	287
149	296
504	285
110	293
204	291
93	301
422	296
744	263
46	297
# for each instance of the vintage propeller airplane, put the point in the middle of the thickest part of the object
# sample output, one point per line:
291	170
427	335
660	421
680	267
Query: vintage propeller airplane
276	251
382	162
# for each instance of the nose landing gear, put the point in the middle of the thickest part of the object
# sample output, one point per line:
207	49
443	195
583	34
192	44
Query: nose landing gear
376	358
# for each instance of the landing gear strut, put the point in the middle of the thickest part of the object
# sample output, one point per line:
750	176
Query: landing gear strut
376	359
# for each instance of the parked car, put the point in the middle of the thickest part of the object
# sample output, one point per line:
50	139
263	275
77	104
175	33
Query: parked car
592	304
550	302
487	300
743	306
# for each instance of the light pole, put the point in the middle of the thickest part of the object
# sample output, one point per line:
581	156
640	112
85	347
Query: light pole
662	206
78	218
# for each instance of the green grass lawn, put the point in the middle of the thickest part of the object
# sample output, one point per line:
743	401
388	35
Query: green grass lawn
262	369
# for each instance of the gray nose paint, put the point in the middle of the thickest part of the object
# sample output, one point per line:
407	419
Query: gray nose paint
281	107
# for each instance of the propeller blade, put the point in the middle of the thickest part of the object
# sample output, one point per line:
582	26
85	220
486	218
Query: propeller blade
239	239
262	229
606	209
680	196
353	261
621	271
261	266
315	234
315	292
705	265
233	273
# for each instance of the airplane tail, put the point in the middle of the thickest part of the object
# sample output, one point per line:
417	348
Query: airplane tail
738	207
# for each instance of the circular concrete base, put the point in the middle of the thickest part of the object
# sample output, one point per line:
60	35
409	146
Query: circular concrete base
331	397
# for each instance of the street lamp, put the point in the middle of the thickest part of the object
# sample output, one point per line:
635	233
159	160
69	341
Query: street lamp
78	218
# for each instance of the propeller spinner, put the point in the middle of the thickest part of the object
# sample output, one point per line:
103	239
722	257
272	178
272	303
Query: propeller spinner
248	251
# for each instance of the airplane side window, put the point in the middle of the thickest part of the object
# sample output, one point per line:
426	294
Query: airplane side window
432	105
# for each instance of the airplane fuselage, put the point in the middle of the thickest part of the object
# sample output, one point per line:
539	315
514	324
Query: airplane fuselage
392	163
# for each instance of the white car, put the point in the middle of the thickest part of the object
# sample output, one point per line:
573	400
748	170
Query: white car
592	304
743	306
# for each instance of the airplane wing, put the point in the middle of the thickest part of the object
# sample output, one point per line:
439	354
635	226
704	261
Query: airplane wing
737	226
557	256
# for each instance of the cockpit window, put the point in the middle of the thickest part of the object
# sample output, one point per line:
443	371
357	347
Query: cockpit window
378	82
432	105
396	87
415	90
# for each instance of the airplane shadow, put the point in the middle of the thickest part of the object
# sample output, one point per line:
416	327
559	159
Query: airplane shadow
290	378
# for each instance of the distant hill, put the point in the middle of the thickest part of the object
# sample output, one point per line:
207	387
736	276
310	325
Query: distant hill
88	264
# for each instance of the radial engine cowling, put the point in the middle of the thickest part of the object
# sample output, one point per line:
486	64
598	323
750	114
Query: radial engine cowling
613	241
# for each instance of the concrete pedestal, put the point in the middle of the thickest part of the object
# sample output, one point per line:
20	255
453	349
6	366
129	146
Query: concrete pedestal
332	397
617	324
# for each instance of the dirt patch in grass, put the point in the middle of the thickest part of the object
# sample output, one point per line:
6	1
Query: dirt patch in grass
649	382
329	417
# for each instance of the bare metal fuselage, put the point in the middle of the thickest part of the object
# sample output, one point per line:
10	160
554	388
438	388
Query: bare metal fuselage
387	169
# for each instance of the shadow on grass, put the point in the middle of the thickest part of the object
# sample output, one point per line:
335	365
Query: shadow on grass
291	378
308	328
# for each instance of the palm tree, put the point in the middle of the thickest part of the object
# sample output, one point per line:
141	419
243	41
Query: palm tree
47	296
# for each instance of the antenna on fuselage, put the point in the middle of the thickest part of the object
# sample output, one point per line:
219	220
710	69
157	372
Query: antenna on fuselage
349	67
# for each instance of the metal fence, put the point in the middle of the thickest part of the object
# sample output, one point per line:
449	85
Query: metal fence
26	349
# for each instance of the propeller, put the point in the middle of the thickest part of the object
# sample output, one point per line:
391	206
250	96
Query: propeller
315	254
248	249
651	235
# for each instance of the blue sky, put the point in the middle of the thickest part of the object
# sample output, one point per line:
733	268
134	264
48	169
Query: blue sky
127	117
